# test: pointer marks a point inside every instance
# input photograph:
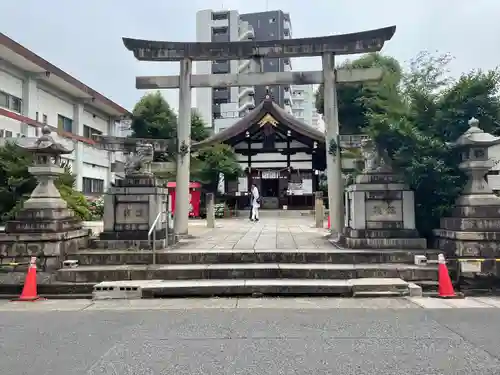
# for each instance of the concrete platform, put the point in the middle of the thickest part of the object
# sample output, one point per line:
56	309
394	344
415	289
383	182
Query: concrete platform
199	256
246	271
235	287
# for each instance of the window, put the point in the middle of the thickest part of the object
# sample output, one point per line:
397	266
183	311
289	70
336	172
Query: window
10	102
45	119
219	16
219	30
93	185
16	104
272	20
37	117
64	123
8	134
4	100
89	131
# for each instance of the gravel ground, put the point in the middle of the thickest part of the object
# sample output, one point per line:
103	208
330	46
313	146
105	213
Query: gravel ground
253	341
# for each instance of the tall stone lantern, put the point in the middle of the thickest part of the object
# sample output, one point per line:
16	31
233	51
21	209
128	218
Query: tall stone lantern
45	227
473	230
45	210
476	163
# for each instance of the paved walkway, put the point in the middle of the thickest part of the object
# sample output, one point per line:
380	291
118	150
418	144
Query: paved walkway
254	303
268	233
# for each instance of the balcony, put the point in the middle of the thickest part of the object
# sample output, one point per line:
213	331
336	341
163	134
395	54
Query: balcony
244	66
246	91
223	94
246	31
221	67
247	105
220	37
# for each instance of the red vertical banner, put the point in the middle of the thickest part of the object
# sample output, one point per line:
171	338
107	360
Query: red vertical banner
194	202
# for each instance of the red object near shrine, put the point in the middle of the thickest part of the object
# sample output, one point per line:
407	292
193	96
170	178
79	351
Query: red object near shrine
194	197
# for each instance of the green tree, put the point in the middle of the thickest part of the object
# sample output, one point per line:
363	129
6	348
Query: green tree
416	129
215	160
153	117
356	101
16	184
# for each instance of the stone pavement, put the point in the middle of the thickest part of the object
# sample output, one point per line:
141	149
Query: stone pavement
252	303
268	233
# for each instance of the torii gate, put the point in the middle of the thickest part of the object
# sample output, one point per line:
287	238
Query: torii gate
326	46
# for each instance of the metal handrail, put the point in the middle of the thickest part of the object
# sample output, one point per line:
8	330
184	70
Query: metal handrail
153	232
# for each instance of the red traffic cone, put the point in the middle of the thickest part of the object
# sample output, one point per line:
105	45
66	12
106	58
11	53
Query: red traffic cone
445	286
328	221
29	290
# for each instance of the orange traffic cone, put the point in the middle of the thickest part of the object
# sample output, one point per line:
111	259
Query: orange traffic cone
29	290
445	286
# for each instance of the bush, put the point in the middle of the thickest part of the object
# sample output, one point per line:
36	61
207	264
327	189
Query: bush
96	206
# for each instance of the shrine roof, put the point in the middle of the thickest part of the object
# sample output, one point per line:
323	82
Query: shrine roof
266	107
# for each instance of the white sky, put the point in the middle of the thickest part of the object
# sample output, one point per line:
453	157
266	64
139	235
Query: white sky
84	37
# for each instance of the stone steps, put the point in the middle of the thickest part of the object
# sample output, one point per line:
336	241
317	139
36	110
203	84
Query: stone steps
254	287
234	256
312	271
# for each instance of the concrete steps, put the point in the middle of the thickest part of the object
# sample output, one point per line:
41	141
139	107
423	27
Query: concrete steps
235	256
254	287
313	271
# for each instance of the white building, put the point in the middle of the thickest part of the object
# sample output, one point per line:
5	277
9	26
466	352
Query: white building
303	105
33	92
221	107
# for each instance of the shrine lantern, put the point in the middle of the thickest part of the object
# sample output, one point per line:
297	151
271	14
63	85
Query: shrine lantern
194	197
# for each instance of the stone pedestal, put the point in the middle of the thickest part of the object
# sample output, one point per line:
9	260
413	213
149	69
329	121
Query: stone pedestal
380	211
473	230
45	227
130	209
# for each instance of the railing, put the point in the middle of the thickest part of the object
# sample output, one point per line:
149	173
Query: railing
152	231
168	228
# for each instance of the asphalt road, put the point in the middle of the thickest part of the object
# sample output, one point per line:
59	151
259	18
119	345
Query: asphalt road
251	341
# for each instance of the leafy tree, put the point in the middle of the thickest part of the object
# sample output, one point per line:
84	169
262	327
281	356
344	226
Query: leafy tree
215	160
153	117
356	101
16	184
416	129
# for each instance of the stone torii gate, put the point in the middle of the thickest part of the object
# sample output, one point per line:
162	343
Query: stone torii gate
326	46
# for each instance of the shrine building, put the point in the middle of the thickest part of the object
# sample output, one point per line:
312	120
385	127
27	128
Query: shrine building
280	154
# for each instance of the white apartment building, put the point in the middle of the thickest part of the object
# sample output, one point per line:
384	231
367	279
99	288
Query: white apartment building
303	105
221	107
34	93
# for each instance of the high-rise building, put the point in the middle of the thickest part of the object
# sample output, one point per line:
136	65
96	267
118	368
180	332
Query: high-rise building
304	106
220	107
272	25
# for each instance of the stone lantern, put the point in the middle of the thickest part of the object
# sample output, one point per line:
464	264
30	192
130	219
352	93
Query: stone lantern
474	144
45	227
473	229
45	210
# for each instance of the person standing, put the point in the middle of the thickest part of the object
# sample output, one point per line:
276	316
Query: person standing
255	203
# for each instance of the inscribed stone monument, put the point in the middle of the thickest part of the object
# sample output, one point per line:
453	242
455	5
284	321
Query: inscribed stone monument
380	210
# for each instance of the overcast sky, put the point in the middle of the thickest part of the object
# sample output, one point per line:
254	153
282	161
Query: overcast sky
84	37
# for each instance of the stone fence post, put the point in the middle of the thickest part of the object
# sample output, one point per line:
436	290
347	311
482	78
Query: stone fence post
210	210
319	209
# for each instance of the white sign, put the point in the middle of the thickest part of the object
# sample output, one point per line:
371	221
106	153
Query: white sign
268	175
